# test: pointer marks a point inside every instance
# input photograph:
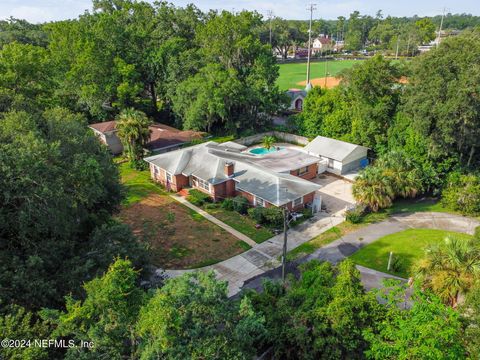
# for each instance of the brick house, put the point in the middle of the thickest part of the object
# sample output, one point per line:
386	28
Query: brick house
224	171
163	138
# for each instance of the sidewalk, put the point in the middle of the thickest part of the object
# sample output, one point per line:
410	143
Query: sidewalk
264	257
214	220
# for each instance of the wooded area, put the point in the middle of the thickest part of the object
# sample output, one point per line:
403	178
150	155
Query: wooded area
70	270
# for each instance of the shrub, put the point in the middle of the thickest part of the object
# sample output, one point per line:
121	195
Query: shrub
240	204
227	204
267	216
256	214
355	215
462	193
198	198
273	216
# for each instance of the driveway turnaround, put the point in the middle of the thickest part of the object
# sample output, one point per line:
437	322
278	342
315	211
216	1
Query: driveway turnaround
249	269
350	243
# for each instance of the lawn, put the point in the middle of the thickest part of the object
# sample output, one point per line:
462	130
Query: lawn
137	184
405	206
241	223
177	236
292	73
408	245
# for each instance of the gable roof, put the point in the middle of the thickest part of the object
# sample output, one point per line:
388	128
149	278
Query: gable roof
161	135
294	93
207	162
105	126
331	148
323	40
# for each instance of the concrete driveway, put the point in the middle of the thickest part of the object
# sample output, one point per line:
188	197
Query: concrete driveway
336	193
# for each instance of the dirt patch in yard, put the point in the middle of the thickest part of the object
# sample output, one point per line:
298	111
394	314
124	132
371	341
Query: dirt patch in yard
328	82
178	237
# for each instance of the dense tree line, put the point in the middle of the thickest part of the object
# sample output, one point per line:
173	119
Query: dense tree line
427	110
358	32
202	71
60	189
325	313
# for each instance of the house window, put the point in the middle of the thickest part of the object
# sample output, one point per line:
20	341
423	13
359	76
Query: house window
330	163
303	170
169	177
298	202
259	202
202	184
155	170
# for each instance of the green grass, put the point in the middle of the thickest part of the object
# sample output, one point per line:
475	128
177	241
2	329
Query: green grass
137	184
243	245
408	245
404	206
333	234
291	74
243	224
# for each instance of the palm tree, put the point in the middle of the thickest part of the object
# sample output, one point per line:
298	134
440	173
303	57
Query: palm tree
268	142
403	175
133	131
373	189
450	268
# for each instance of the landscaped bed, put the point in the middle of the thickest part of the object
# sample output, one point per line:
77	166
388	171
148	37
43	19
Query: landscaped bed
241	223
178	237
407	246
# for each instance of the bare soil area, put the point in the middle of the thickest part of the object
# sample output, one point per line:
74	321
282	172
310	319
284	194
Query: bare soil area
178	237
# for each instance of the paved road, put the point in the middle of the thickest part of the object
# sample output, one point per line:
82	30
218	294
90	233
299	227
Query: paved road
264	257
248	270
350	243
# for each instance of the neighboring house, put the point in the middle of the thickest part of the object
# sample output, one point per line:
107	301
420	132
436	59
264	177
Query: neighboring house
340	157
322	44
339	45
163	138
297	97
223	171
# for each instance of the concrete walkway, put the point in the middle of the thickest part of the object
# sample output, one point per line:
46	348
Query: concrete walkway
264	257
214	220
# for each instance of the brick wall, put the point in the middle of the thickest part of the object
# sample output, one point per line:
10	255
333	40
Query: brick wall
310	174
307	199
178	181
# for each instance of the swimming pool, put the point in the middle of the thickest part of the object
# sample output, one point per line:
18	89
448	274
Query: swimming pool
263	151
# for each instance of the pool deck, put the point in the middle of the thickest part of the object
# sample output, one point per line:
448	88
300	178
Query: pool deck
289	157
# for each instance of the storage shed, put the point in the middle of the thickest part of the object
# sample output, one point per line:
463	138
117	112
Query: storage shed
341	157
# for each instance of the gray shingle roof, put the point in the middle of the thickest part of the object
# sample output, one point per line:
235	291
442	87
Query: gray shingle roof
207	161
330	148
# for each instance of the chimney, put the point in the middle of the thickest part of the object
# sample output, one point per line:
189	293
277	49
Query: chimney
228	169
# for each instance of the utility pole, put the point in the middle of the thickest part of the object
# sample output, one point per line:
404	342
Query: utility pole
408	46
312	7
440	29
270	16
326	73
396	52
284	256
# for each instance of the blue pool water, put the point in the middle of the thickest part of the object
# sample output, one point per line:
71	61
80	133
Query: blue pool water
263	151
